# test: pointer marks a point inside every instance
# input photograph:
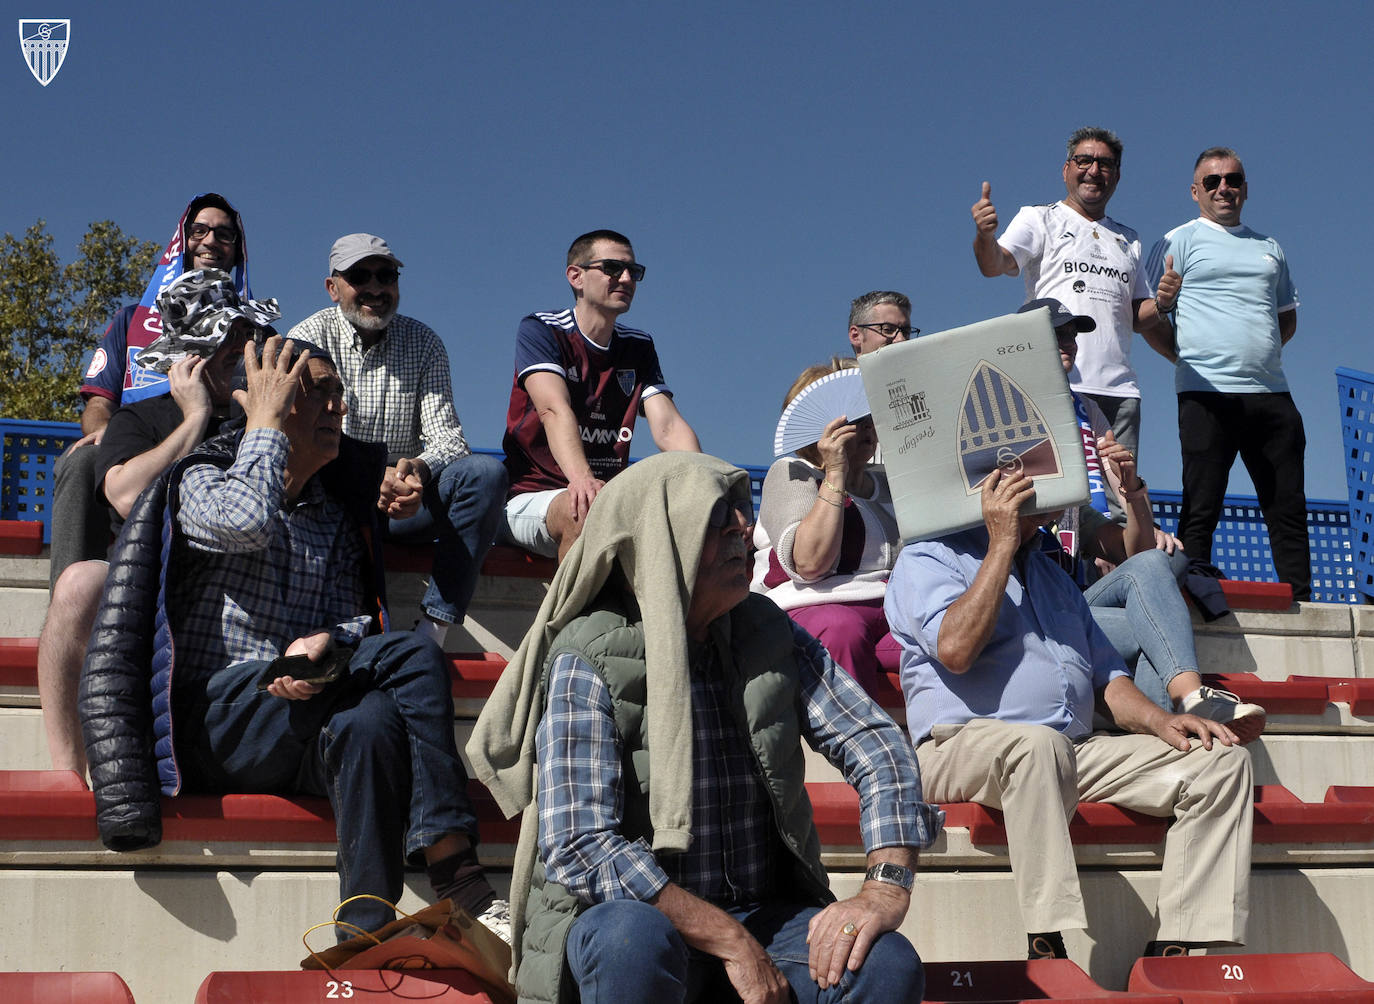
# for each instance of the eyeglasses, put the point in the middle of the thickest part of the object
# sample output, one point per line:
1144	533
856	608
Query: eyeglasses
359	276
613	267
722	510
1087	160
1234	179
890	331
224	234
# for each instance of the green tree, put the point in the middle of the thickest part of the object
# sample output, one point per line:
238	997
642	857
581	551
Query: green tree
50	315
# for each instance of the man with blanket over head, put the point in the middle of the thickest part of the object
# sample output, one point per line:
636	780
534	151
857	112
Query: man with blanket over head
654	714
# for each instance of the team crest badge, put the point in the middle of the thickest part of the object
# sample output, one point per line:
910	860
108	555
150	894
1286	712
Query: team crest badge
626	379
1000	427
44	42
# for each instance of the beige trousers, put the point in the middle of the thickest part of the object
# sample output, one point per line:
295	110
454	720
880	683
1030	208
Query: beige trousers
1036	777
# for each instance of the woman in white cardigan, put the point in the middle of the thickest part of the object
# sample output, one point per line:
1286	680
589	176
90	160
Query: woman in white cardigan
826	539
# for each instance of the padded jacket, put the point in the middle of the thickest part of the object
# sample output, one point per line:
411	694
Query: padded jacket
126	683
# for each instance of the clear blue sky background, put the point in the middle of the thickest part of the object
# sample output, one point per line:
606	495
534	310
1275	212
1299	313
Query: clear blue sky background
769	161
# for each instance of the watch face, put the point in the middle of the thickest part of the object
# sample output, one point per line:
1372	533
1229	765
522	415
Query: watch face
892	874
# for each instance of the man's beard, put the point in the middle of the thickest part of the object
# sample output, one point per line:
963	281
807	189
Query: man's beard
368	322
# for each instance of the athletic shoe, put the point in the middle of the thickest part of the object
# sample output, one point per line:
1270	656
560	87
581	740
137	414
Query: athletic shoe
1245	720
496	919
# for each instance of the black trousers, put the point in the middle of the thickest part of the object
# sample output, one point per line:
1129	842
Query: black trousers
1266	430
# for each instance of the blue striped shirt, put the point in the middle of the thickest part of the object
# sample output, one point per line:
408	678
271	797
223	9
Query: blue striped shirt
735	843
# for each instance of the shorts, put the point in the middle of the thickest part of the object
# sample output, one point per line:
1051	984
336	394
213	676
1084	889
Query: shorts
526	523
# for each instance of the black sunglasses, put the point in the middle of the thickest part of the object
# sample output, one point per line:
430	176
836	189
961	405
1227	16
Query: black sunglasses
1087	160
613	267
1234	179
720	512
224	234
889	330
359	276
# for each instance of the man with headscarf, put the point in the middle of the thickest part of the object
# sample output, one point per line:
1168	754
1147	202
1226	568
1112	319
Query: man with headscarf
658	708
201	345
219	663
209	234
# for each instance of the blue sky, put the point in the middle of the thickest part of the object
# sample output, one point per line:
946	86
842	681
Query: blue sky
769	161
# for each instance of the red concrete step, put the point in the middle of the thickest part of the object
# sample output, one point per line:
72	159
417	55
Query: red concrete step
1256	595
434	986
56	805
1014	981
21	537
1252	979
1346	816
501	561
64	988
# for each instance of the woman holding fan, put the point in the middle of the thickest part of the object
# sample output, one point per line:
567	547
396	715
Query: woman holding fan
826	535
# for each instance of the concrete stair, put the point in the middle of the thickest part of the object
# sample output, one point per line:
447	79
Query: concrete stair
216	902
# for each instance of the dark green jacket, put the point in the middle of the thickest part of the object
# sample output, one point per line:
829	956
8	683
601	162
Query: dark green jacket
755	642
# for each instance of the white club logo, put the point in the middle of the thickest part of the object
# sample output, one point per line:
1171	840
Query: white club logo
44	42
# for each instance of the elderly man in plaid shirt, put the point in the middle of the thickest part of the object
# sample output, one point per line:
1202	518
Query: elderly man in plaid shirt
658	708
400	393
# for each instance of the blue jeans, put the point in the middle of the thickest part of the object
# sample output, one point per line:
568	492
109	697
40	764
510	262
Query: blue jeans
378	742
627	951
1140	609
461	509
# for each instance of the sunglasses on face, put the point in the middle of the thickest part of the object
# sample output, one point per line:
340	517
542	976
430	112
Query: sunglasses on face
613	267
722	511
223	234
1234	179
1087	160
359	276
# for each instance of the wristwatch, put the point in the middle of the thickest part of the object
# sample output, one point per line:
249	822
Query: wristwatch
892	874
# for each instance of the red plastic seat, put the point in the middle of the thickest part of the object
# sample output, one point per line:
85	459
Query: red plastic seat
434	986
1016	981
1252	979
64	988
21	536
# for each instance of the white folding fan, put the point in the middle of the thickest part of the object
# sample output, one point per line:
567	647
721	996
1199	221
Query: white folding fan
804	420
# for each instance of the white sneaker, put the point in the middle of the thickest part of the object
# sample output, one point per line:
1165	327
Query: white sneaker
1245	720
496	919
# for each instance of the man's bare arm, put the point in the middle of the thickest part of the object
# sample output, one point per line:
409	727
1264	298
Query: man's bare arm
666	424
1288	325
992	258
970	619
710	929
96	415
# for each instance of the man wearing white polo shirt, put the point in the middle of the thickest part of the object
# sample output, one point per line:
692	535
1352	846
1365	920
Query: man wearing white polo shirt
1073	251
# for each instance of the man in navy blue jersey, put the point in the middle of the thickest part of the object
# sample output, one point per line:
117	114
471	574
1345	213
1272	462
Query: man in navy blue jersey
580	380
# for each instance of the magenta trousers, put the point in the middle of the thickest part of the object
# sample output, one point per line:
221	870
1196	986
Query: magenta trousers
856	636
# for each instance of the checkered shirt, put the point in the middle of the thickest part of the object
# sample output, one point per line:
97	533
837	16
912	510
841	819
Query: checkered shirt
267	572
399	392
735	844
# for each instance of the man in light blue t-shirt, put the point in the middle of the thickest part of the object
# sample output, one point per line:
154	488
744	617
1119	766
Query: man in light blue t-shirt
1234	308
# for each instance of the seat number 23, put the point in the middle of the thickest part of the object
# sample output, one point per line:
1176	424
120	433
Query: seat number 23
336	990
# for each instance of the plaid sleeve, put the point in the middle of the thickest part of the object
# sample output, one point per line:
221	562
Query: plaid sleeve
842	722
439	425
581	798
231	510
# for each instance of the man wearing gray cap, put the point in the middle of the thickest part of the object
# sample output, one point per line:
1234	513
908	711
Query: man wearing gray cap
400	393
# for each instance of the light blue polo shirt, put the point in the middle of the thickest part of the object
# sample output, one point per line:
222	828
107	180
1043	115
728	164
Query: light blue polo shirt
1043	664
1235	285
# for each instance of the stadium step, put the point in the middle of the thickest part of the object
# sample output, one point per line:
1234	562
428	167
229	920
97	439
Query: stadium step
435	986
64	988
1252	979
1015	981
